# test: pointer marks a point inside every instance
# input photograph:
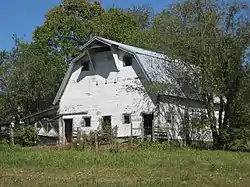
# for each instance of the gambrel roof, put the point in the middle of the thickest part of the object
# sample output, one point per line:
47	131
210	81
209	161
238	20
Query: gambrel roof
157	67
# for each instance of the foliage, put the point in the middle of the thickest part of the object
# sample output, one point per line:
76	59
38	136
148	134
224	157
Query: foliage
67	27
124	25
36	88
72	23
8	108
106	133
25	135
213	36
193	128
85	141
40	80
103	136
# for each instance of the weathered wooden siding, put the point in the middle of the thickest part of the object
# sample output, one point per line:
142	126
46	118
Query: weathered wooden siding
170	115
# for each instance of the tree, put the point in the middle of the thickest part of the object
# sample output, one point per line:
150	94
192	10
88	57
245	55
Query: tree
72	23
67	27
213	36
7	104
35	79
118	25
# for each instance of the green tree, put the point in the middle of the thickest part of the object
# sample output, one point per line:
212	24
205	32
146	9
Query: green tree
213	36
67	27
7	104
127	26
35	79
72	23
118	25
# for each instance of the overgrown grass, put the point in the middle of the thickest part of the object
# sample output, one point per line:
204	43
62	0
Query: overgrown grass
144	166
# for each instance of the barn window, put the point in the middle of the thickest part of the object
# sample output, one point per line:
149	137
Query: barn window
127	60
106	121
101	49
85	65
126	118
87	121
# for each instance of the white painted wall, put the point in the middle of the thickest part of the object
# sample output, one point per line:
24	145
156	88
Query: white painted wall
171	114
103	92
87	91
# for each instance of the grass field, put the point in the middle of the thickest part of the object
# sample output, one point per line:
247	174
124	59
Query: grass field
151	166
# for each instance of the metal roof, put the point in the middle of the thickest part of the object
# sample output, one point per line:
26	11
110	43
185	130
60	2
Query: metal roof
157	67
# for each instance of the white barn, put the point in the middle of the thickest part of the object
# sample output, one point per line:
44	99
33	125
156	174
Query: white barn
108	81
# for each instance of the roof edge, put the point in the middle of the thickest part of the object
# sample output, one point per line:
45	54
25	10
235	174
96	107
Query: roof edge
66	78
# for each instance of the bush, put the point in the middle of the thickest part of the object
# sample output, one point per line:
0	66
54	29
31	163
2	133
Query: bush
85	141
105	135
25	135
238	139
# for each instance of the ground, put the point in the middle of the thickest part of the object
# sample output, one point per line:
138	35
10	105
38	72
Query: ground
144	166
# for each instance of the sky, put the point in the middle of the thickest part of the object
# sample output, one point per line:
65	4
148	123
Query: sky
21	17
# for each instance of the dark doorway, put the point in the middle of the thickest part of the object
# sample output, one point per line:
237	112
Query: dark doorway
68	130
148	124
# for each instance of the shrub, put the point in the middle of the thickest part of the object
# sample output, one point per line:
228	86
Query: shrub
85	141
25	135
106	134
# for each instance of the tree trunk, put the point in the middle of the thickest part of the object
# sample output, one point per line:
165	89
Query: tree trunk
221	113
212	119
223	123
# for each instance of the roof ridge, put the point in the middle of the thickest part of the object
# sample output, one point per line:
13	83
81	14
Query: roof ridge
137	50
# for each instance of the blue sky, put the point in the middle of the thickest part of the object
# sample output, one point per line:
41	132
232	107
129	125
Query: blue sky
21	17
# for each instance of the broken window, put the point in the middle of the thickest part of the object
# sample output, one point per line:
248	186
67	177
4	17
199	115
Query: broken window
127	60
87	121
85	65
126	118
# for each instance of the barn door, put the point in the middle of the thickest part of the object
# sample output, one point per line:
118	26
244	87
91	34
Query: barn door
68	130
148	124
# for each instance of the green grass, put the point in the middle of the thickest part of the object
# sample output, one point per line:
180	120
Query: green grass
154	166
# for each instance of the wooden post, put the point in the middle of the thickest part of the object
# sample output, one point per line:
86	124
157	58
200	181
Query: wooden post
36	132
12	134
142	134
153	131
116	134
78	134
168	136
131	134
96	141
142	128
61	130
84	139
